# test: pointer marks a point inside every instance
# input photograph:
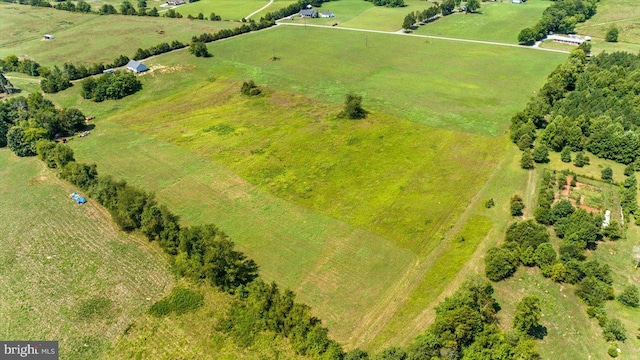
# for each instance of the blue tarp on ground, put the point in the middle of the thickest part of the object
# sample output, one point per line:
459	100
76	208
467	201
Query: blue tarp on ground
79	199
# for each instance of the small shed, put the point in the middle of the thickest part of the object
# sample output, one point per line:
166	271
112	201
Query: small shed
48	37
136	66
109	71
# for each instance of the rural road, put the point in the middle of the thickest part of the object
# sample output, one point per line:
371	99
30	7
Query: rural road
427	36
257	11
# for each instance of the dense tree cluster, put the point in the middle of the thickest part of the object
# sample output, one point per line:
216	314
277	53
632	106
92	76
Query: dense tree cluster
447	7
25	66
25	121
81	6
562	16
586	106
250	88
110	86
265	307
199	49
388	3
526	243
580	230
466	327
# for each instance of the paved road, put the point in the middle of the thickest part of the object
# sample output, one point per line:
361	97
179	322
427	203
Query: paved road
402	33
257	11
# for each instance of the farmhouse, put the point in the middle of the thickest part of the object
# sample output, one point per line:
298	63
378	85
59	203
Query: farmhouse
48	37
327	14
308	13
136	66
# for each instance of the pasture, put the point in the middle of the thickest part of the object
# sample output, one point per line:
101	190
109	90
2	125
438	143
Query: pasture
67	273
473	88
232	9
622	13
87	39
305	193
496	21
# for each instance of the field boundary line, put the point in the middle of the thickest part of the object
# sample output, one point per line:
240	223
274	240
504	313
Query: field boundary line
389	305
426	37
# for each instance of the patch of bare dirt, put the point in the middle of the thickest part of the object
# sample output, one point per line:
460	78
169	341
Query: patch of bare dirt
162	69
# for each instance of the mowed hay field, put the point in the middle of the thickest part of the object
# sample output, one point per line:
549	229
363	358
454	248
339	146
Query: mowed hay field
495	21
89	38
66	272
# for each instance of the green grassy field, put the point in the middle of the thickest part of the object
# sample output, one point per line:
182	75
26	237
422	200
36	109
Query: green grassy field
624	14
67	273
474	88
371	190
87	39
496	21
232	9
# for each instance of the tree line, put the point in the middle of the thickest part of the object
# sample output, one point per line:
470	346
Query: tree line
562	16
112	86
528	243
388	3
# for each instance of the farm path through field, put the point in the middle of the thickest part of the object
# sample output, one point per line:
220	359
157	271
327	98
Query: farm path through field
400	32
610	22
257	11
383	312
